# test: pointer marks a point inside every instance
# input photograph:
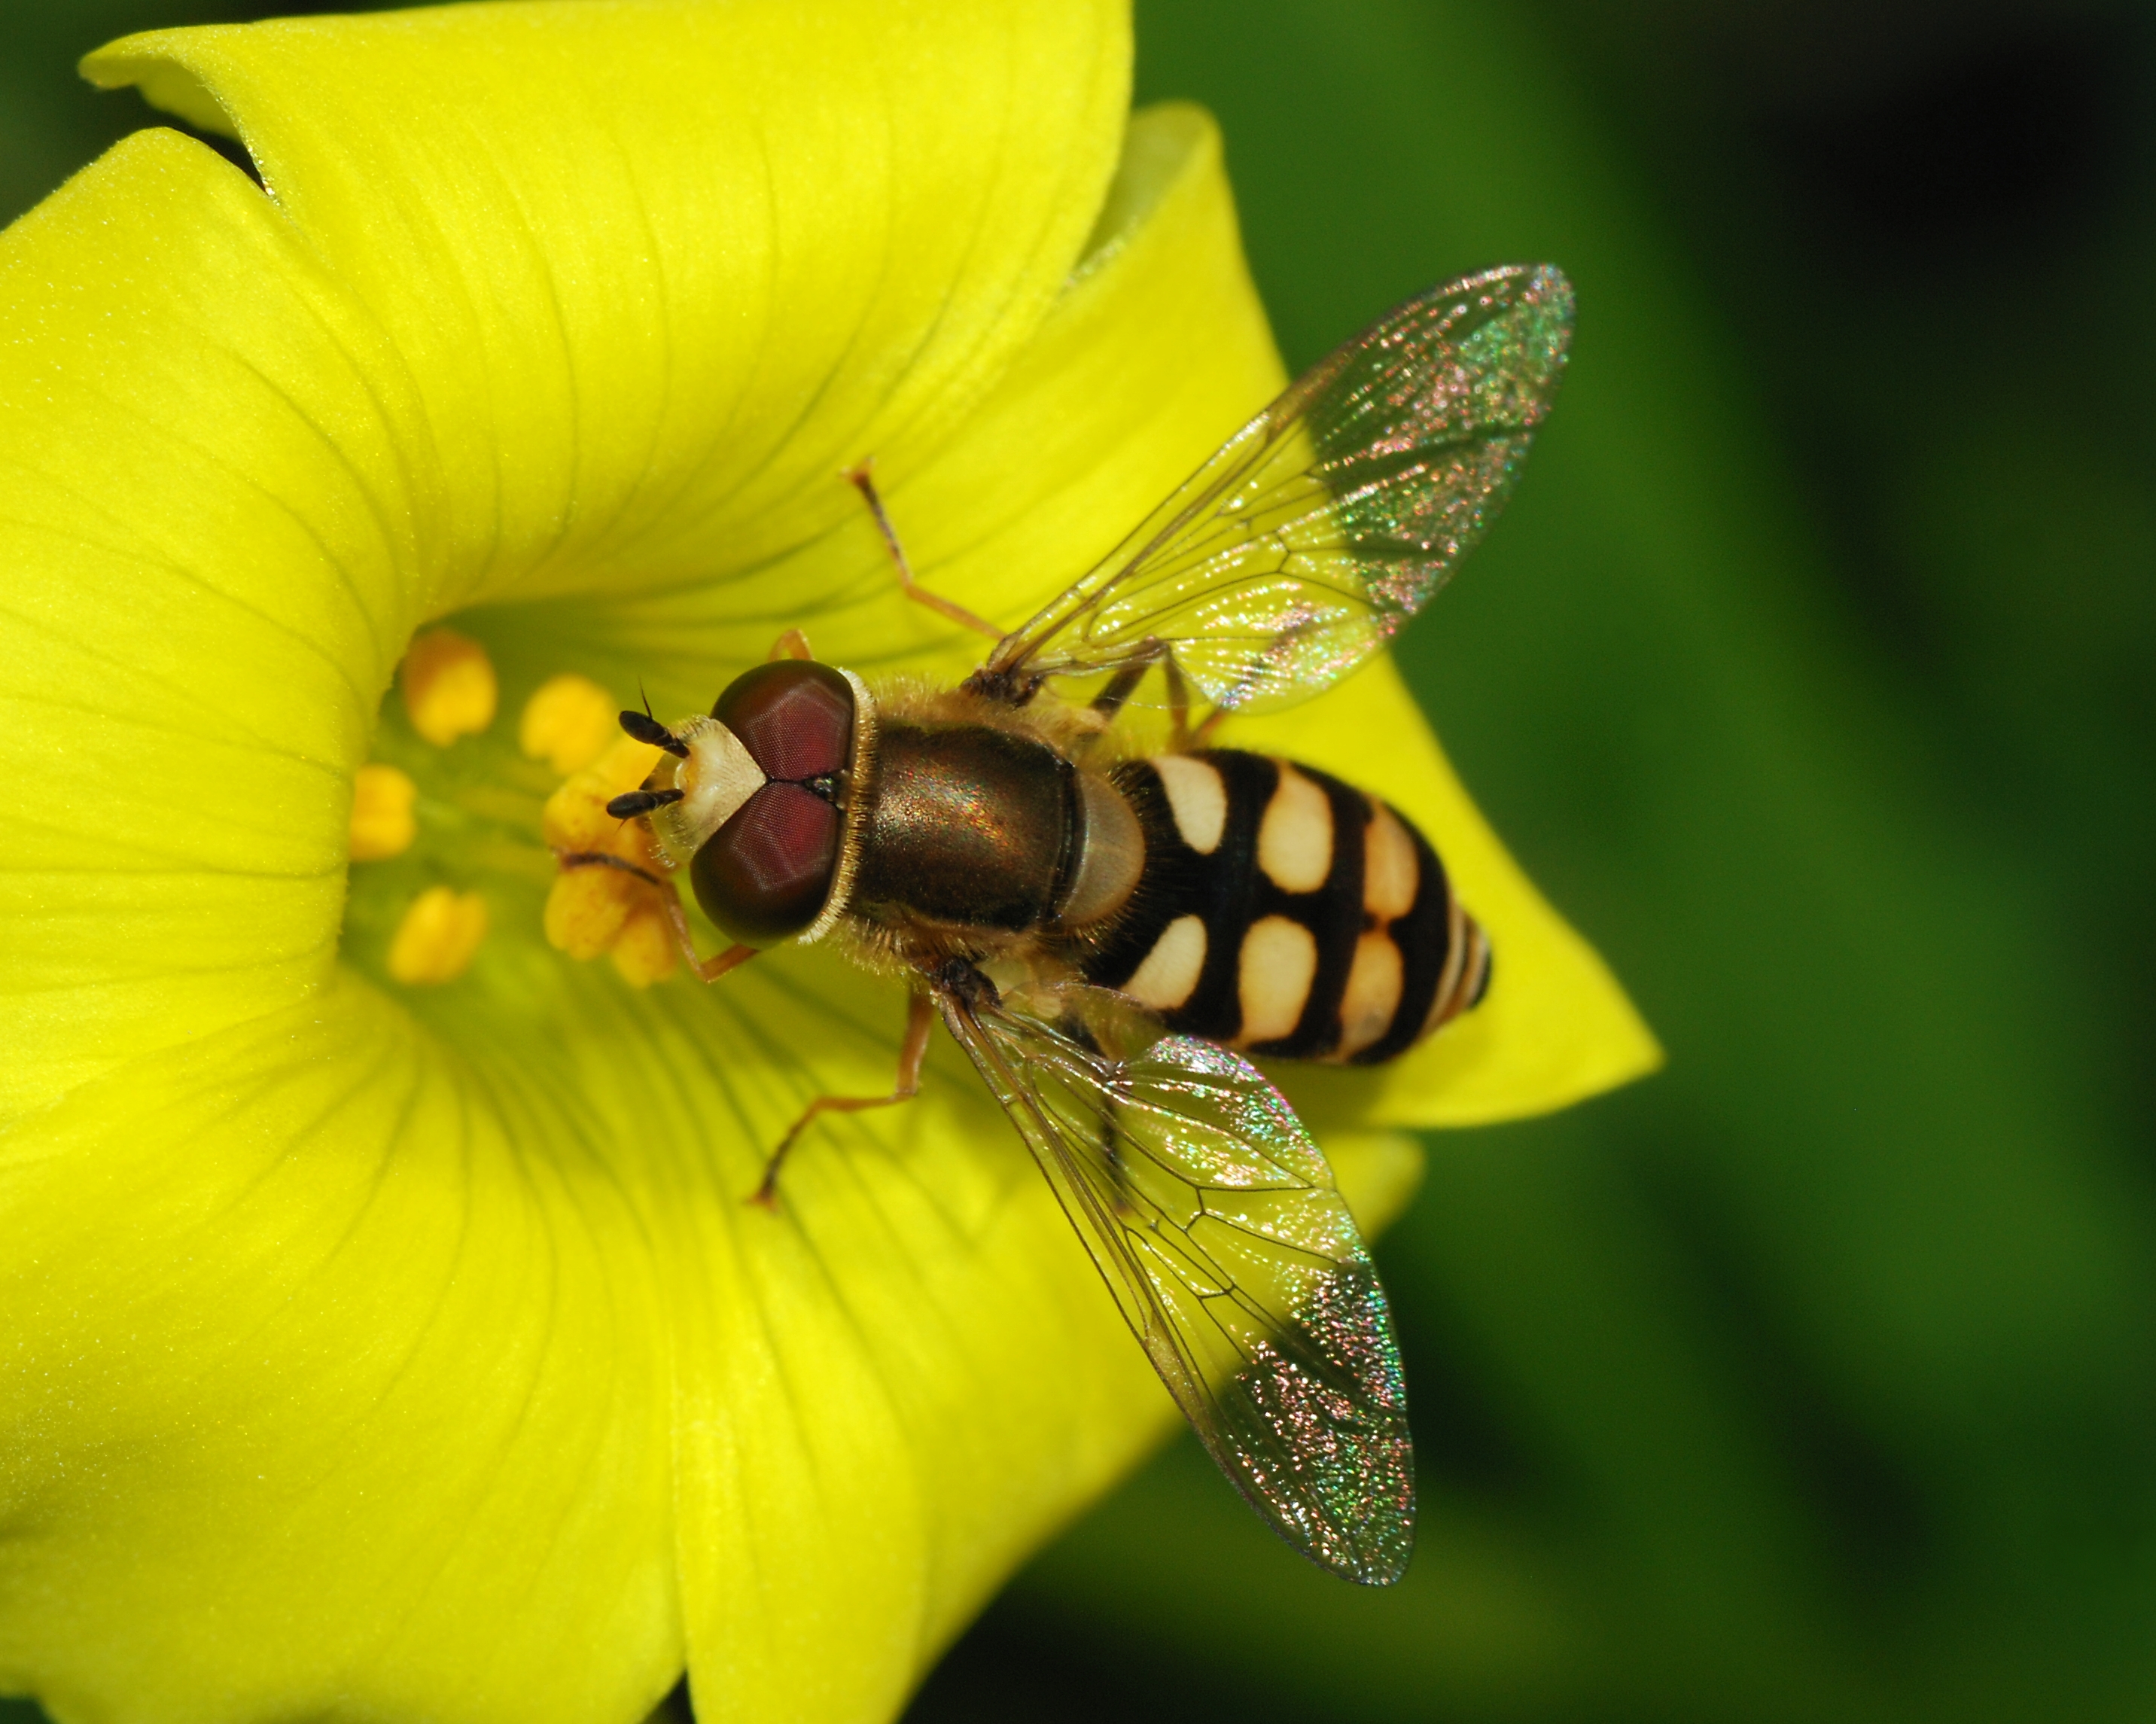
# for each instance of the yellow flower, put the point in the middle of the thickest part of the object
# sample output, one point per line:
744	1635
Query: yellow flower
404	1349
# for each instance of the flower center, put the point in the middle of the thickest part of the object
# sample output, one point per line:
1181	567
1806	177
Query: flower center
457	829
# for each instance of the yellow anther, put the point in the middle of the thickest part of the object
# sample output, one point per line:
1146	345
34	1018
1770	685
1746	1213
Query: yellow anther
435	942
587	909
382	823
450	689
593	908
575	817
569	723
644	952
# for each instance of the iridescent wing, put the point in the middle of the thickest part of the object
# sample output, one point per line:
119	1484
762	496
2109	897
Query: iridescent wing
1214	1218
1299	550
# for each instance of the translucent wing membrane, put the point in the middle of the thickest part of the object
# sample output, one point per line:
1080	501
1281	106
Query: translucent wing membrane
1297	550
1214	1218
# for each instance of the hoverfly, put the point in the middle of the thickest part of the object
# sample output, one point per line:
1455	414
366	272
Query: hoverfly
1108	934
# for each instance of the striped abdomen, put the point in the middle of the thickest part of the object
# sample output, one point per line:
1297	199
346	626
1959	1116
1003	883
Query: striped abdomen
1282	912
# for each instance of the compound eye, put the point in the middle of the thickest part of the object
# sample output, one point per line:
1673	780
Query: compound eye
764	875
795	717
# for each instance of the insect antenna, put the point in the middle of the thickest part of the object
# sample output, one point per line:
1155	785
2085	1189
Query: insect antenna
631	803
645	728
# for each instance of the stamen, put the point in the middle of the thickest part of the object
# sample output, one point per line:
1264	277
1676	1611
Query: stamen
644	952
587	909
611	894
450	688
567	723
576	818
435	942
382	821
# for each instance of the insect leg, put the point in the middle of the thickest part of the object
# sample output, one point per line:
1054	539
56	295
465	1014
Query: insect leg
1073	1025
707	969
792	644
920	1016
1110	700
602	859
1178	706
1236	695
858	477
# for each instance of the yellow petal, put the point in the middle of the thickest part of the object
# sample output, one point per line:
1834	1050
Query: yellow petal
569	296
1159	352
868	1440
203	521
317	1355
617	343
651	282
1379	1173
1156	354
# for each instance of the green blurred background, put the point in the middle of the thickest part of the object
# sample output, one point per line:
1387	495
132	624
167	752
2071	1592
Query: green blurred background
1810	674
